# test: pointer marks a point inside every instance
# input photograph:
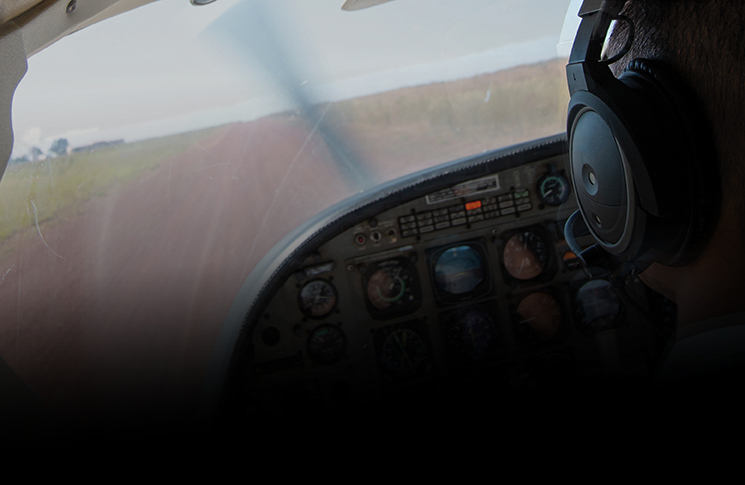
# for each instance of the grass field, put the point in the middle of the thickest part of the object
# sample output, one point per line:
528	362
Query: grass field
33	192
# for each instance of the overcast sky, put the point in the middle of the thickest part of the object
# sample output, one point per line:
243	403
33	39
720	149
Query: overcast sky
170	67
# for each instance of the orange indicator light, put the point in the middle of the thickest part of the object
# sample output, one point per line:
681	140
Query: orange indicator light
476	204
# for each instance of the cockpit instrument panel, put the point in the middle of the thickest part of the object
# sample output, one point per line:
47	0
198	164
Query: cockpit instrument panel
471	280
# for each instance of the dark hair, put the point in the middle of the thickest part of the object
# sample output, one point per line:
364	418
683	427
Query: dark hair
704	41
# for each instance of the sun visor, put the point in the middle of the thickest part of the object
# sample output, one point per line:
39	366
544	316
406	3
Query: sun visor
10	9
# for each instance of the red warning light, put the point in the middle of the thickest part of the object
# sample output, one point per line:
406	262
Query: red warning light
476	204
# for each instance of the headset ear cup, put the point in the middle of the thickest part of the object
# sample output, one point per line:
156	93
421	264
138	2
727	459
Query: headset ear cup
689	136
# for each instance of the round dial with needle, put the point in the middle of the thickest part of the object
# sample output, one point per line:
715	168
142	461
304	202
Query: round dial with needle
470	335
386	287
403	352
526	255
553	188
540	315
326	344
317	298
392	287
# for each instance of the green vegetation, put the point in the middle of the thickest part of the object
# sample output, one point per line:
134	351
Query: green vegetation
39	190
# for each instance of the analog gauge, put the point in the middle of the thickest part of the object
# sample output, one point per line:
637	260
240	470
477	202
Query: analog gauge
403	352
526	255
540	315
317	298
326	344
392	287
598	303
553	188
470	334
459	270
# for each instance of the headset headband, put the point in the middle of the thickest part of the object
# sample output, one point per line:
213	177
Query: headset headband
585	62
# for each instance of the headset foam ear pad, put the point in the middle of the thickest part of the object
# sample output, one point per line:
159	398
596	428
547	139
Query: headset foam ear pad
682	152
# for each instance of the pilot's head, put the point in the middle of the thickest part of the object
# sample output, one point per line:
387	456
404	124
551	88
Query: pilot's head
704	41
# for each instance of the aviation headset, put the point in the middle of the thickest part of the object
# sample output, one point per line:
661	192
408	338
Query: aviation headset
642	159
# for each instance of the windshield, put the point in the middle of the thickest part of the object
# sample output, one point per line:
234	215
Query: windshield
160	154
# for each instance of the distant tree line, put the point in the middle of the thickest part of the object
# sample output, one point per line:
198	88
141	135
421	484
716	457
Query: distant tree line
59	147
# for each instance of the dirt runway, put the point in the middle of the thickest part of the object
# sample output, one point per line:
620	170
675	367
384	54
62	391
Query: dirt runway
116	311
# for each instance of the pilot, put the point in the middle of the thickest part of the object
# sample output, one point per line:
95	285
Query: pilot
705	43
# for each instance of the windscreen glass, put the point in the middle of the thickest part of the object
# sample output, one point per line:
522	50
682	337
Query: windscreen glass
160	154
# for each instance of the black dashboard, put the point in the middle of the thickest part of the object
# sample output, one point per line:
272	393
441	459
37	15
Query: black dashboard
451	281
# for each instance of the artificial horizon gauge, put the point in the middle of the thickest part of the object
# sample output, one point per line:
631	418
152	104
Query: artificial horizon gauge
317	298
459	272
526	255
391	287
539	315
326	344
553	187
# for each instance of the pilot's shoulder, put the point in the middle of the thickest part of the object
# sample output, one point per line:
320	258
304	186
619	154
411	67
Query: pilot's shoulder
709	353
